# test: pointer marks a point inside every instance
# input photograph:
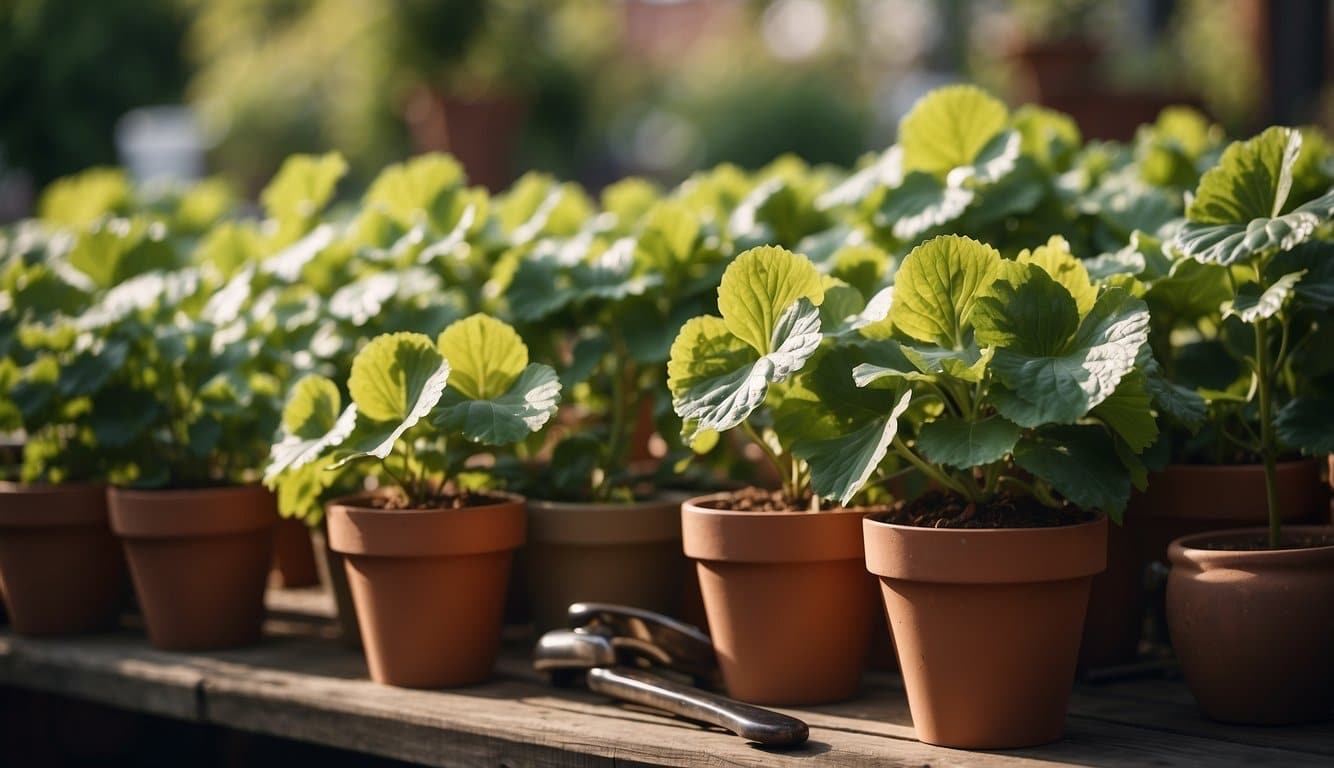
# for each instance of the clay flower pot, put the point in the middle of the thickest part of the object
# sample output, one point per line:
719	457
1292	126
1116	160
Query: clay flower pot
629	554
63	570
200	560
1181	500
987	625
334	573
429	586
293	556
1254	629
787	598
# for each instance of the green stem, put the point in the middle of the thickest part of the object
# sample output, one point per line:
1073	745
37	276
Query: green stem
931	471
774	460
1268	445
617	440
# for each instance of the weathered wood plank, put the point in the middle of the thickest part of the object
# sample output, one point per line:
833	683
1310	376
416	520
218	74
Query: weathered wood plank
300	685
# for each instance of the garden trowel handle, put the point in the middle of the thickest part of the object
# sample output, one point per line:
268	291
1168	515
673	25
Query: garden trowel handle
749	722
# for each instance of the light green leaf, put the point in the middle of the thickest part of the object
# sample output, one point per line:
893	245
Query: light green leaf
296	449
312	407
303	186
840	466
967	364
1034	389
1238	210
1252	304
936	287
1056	259
963	443
759	287
949	127
920	204
1129	412
397	378
1081	463
485	356
508	417
1307	424
668	238
79	200
1051	138
411	191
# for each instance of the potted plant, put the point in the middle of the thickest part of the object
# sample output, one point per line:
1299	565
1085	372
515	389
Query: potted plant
780	569
1251	611
1025	408
607	303
427	558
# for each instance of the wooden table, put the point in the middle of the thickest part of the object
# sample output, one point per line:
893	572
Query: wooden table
302	684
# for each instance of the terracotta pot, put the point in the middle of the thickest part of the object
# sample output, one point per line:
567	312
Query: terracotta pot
64	571
429	586
787	599
333	573
628	554
1182	500
1254	630
482	131
200	560
987	624
293	556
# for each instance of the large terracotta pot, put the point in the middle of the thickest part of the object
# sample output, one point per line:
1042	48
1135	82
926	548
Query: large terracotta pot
987	625
64	571
1183	499
787	599
293	556
429	586
200	560
1254	630
629	554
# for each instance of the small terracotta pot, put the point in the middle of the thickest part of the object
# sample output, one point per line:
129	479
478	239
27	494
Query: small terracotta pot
64	571
987	625
429	586
293	556
1181	500
787	599
629	554
1254	630
200	560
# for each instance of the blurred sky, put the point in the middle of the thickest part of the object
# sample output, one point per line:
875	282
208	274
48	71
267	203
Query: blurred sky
593	90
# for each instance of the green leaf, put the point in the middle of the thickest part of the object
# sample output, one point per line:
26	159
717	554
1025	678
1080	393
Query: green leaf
1191	289
413	192
717	380
1252	304
485	356
1081	463
396	379
1024	310
936	287
312	407
1238	210
1307	424
79	200
840	466
759	287
949	127
1033	389
1128	412
668	238
1058	262
303	186
1051	138
967	364
298	448
507	417
921	204
964	443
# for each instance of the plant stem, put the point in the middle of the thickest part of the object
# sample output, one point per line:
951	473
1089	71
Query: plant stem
1268	447
932	472
777	463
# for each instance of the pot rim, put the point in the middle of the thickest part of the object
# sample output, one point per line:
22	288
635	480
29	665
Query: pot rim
436	532
1184	551
48	505
986	555
1229	469
603	523
711	534
190	512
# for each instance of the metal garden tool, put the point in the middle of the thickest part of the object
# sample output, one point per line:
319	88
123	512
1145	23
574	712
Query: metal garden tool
610	646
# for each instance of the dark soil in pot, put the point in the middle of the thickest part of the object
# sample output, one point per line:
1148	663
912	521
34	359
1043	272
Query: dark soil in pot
1254	627
64	569
429	585
200	561
986	619
788	602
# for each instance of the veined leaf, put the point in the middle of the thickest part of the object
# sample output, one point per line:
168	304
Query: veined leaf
1056	259
1128	412
505	418
1081	463
312	407
1252	304
303	186
936	287
1307	424
759	287
485	356
949	127
963	443
1025	310
297	449
398	378
920	204
840	466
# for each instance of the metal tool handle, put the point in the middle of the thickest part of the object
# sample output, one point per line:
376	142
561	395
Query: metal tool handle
644	636
749	722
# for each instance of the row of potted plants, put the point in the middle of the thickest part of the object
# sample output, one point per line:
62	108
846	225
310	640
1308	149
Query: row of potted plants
1034	330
